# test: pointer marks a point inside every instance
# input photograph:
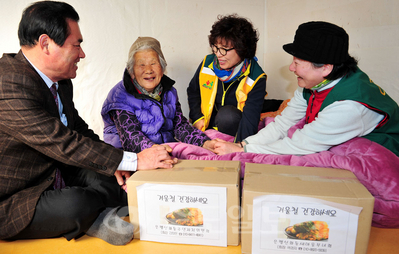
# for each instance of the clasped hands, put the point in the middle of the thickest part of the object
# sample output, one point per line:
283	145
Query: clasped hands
156	156
221	147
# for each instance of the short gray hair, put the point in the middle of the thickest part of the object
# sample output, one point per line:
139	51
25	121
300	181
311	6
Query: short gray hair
143	44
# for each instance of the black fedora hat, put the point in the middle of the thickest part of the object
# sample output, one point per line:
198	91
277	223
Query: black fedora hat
320	42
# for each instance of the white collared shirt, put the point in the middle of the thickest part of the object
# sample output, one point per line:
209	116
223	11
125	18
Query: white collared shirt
49	83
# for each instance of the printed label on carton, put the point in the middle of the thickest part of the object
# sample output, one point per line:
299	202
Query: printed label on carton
294	224
183	214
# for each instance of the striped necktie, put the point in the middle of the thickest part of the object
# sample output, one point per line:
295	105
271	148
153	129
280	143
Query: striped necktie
53	90
59	182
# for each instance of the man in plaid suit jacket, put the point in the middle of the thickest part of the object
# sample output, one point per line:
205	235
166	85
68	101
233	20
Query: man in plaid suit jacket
39	137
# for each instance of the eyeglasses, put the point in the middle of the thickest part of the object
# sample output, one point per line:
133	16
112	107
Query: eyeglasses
222	51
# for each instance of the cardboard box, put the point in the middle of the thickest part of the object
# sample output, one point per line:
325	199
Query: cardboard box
331	185
224	174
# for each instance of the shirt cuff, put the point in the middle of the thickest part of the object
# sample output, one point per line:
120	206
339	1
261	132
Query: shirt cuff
129	162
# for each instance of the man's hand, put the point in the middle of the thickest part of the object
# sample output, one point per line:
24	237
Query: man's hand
122	177
223	147
155	157
200	124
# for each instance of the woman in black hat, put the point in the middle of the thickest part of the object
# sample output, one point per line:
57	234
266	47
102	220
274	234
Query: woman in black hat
338	101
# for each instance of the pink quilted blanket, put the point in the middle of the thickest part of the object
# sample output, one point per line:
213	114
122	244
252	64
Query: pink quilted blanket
376	167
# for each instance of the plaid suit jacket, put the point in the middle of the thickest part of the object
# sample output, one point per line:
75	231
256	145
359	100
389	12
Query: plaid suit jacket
33	141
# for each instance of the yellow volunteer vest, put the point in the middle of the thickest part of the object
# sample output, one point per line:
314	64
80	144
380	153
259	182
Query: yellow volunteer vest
208	82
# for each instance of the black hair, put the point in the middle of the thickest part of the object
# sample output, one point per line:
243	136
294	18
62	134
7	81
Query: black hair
46	17
238	31
340	70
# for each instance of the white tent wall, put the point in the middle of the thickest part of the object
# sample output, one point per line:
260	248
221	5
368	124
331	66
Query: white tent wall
109	27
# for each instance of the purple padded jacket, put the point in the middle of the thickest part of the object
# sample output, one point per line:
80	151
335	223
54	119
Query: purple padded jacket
160	121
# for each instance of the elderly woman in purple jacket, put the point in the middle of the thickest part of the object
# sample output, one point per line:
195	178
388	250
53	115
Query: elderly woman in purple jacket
143	109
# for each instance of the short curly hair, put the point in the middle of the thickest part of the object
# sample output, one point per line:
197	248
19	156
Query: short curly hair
238	31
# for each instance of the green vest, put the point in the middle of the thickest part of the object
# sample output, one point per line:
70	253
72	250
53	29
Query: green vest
359	87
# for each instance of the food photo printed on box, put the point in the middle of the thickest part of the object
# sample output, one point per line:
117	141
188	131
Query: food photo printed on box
186	214
303	225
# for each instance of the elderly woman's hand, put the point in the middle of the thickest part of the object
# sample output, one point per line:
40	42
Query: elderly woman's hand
155	157
200	124
167	147
209	145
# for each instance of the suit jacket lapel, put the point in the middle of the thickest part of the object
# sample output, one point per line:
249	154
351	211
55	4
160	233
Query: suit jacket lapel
49	102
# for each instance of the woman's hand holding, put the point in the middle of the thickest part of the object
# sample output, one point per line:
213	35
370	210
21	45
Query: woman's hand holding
222	147
209	145
200	124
